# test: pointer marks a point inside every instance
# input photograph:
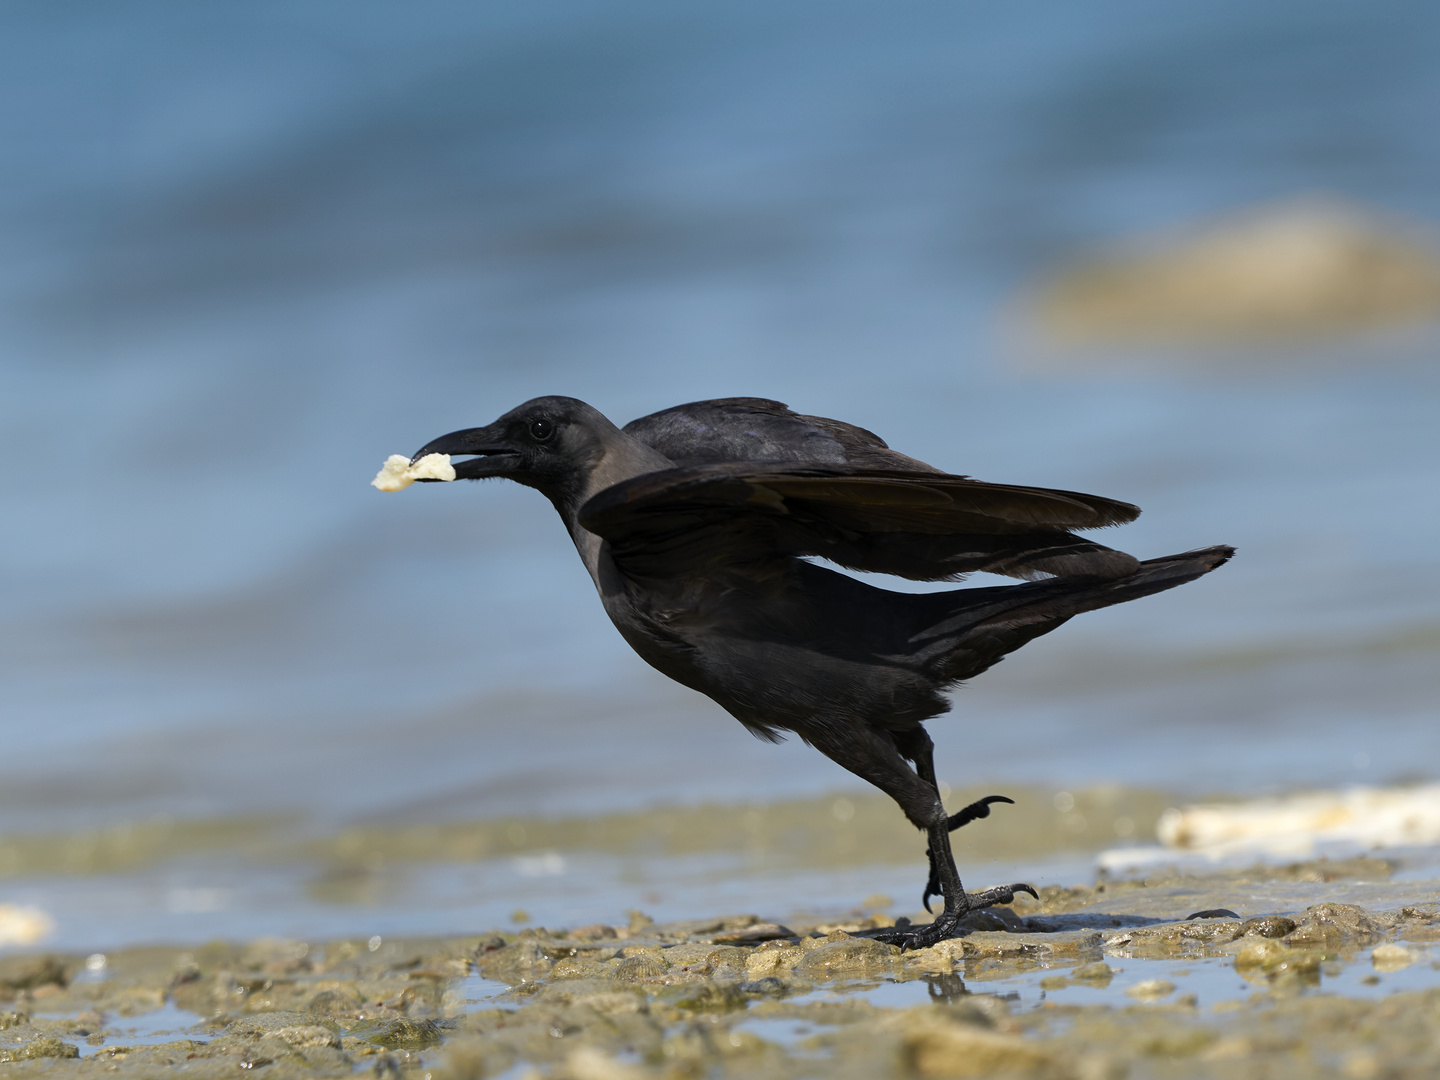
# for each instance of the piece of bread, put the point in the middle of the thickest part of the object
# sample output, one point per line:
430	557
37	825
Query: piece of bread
397	473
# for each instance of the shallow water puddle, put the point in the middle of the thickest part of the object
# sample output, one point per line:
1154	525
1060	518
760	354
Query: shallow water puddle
886	994
164	1025
1361	980
793	1035
1206	982
471	992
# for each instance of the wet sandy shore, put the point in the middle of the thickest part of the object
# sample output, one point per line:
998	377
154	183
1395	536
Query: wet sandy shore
1315	969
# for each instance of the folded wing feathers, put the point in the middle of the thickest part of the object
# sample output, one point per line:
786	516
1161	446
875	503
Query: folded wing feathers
888	501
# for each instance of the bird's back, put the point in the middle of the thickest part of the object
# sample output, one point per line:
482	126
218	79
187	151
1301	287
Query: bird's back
762	430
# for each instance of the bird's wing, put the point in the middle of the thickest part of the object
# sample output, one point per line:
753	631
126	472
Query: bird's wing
920	525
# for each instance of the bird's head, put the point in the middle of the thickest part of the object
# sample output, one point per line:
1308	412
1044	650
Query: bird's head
553	444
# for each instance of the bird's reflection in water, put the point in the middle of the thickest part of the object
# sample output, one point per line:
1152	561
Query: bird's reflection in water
946	989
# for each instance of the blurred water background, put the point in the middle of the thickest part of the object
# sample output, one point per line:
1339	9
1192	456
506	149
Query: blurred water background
251	249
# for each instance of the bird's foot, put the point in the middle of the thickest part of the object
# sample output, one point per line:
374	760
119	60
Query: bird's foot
921	937
978	809
1000	894
948	923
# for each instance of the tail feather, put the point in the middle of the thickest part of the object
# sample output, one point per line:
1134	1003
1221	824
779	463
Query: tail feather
978	627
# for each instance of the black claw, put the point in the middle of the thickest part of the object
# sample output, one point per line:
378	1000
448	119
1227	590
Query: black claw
1000	894
932	886
980	808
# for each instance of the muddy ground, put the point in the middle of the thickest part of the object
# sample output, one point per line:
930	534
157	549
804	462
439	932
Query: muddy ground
1317	969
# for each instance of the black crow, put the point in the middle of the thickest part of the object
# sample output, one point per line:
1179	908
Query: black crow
698	525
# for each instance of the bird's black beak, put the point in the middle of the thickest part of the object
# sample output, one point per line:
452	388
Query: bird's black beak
495	456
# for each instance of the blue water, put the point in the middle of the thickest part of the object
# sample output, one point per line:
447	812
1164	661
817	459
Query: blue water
231	898
251	249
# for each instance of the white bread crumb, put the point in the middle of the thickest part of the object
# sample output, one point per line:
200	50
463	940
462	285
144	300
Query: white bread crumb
397	473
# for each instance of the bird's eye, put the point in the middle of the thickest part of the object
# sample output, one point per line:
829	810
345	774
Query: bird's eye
541	429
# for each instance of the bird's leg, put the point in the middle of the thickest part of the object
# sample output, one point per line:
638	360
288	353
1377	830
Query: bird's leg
875	756
980	808
916	745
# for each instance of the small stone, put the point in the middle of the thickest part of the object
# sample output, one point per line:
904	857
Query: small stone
588	1063
407	1034
307	1036
728	960
31	972
773	961
1391	957
1236	1046
594	932
751	935
768	985
138	1000
692	952
1180	1043
1150	990
959	1050
942	958
515	963
467	1058
848	957
636	968
1361	1065
573	967
599	995
985	919
1270	926
47	1046
1099	972
707	996
1275	958
331	1002
1263	953
1331	925
615	1003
